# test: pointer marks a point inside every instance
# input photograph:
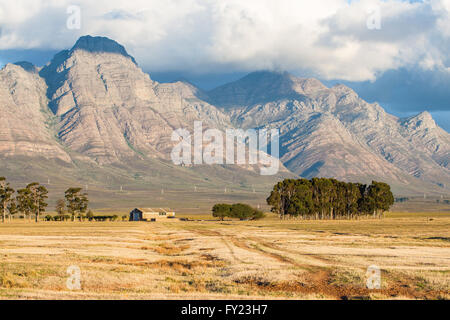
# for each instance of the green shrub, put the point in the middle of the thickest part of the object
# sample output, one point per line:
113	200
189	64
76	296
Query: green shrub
239	211
221	211
90	215
258	214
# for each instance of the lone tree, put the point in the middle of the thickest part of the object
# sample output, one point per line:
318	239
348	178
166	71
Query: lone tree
6	197
77	202
38	196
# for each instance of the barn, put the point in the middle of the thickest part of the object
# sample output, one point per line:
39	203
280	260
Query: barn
149	214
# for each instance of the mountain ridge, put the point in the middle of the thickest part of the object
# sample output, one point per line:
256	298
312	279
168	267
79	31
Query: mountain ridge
395	142
94	104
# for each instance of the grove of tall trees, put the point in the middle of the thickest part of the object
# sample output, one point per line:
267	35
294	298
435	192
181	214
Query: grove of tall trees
322	198
31	200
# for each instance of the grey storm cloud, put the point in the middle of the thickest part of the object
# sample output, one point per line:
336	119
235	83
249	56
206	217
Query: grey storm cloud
409	23
408	90
327	38
405	64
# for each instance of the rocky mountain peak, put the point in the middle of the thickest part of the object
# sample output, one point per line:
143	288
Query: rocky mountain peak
266	75
27	66
425	116
9	67
259	87
308	85
100	45
342	88
423	120
15	74
186	89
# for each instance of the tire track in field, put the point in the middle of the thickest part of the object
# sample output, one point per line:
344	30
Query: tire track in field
318	279
243	244
320	261
211	233
240	242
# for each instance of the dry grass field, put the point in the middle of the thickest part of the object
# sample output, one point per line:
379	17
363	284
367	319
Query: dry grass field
268	259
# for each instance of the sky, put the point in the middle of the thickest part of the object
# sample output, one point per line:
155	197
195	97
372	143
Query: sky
394	52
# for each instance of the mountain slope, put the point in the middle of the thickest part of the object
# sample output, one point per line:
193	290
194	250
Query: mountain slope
332	132
93	117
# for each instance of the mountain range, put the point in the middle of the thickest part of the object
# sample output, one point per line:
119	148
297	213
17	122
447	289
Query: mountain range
93	117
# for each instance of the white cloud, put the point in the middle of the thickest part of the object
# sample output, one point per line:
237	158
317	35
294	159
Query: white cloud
327	38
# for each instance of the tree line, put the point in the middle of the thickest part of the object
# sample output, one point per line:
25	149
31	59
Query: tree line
322	198
239	210
31	200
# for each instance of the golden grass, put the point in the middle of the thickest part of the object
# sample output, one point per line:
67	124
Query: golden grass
170	250
228	260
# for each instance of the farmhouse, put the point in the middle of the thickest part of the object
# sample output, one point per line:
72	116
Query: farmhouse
151	214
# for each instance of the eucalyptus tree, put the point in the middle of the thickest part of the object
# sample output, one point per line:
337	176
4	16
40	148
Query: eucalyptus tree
324	193
301	204
352	197
274	200
24	202
324	198
76	201
380	197
12	208
38	195
6	197
61	208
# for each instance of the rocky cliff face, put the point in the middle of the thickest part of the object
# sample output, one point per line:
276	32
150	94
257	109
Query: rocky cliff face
25	121
426	136
93	103
111	110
